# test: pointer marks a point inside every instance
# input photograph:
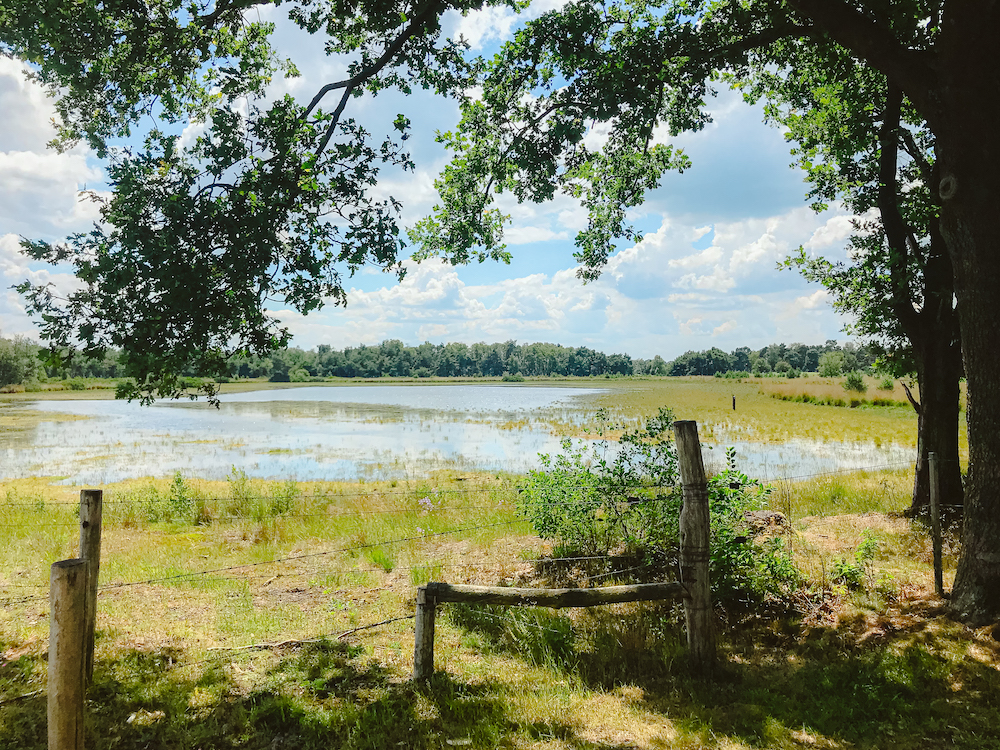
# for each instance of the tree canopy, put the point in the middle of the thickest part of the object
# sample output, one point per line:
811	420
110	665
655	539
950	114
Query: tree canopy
273	201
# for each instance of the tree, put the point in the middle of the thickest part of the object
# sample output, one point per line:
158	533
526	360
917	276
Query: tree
18	361
831	364
638	65
274	199
860	142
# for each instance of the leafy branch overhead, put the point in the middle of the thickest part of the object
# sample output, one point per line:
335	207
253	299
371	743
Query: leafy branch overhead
273	201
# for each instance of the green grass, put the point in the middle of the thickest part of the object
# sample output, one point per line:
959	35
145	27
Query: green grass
186	663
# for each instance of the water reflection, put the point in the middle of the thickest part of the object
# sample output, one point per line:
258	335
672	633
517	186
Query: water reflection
304	433
372	432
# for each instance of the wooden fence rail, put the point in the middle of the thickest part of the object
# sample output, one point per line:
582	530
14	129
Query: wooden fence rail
693	588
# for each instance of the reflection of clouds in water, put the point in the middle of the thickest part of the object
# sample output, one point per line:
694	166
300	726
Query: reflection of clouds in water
800	457
386	431
383	432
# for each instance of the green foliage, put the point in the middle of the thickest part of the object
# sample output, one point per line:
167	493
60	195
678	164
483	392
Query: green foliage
180	496
744	570
602	499
886	383
831	364
19	363
855	382
195	240
858	572
595	498
513	377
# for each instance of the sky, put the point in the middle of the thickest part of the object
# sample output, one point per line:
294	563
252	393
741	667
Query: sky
703	275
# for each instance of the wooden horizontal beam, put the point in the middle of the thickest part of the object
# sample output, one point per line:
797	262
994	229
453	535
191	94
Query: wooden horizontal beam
554	598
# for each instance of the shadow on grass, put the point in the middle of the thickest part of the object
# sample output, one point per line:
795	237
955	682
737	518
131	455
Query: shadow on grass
325	695
886	682
864	684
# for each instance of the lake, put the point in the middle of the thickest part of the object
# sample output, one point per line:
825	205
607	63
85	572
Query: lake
354	432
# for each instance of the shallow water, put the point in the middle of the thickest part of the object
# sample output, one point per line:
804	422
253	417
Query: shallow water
303	433
349	433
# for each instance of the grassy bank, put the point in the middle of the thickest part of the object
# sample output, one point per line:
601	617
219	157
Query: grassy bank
243	625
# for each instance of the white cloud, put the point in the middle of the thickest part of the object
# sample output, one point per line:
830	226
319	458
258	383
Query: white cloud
28	112
524	235
709	256
836	229
490	24
814	301
729	325
688	327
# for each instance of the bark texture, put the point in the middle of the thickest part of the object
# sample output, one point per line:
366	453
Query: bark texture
968	97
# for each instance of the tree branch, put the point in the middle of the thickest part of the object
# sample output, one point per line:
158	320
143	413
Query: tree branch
429	11
918	155
911	70
897	233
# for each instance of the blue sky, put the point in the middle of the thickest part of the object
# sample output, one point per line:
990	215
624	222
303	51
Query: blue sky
704	275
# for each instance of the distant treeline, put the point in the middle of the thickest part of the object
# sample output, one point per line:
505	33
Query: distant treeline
394	359
19	363
829	359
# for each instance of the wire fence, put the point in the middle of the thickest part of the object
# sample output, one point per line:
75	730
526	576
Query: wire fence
418	510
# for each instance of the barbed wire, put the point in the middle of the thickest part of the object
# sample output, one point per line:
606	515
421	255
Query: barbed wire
484	488
290	558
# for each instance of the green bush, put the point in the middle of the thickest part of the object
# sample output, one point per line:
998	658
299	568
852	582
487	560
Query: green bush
855	382
513	377
77	384
887	383
856	573
596	499
181	502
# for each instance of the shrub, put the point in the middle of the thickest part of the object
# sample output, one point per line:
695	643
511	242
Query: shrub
887	383
602	499
76	384
181	502
858	572
513	377
831	364
855	382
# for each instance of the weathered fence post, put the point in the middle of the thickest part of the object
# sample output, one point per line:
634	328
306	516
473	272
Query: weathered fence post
67	601
694	553
91	508
423	636
932	465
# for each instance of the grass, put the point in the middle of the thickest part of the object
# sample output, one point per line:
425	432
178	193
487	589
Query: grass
180	661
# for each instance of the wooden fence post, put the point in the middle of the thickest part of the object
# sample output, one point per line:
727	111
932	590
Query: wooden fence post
694	553
932	465
423	636
91	508
67	601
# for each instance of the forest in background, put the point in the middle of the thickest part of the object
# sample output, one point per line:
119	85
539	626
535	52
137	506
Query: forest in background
20	363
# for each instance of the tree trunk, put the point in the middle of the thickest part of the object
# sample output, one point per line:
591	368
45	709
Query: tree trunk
937	430
938	354
969	159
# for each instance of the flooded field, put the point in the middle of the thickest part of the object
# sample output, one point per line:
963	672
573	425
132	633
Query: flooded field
365	432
